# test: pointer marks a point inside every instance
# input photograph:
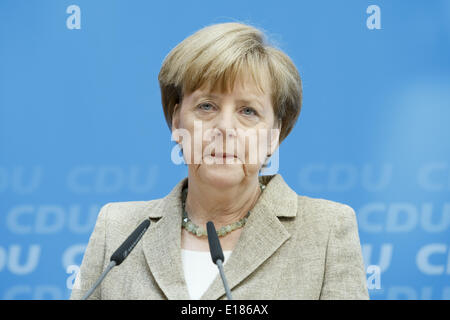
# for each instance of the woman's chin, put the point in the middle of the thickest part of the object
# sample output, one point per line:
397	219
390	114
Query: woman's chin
221	175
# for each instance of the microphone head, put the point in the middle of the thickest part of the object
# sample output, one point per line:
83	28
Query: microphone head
214	243
125	248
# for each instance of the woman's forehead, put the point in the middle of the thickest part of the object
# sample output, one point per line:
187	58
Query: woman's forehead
241	88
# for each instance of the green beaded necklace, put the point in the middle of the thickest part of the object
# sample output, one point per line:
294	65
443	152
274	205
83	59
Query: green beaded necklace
198	231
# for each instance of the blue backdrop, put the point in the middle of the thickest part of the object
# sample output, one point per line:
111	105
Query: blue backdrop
81	124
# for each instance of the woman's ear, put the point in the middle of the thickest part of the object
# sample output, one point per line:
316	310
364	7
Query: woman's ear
176	118
278	123
275	136
274	141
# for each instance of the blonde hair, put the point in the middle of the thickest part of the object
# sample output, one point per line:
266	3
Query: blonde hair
217	56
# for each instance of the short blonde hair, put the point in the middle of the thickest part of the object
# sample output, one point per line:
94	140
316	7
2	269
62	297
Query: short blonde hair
219	54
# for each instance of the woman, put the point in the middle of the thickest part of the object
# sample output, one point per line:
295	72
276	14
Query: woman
221	87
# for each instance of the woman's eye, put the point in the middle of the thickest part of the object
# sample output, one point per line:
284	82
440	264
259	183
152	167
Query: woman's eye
205	106
249	111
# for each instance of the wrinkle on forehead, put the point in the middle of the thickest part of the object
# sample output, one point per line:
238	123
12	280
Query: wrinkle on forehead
247	78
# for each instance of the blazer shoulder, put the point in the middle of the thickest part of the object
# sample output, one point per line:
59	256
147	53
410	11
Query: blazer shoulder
128	214
322	214
323	208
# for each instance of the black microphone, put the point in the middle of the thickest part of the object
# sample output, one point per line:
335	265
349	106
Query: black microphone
217	254
121	253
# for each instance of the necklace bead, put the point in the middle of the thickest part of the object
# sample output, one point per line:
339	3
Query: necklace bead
198	231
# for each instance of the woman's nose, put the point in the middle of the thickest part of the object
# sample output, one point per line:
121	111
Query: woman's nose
226	124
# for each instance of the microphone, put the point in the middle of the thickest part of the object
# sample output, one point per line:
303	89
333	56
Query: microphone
217	254
121	253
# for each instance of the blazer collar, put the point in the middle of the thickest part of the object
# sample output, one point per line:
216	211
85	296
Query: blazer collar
262	235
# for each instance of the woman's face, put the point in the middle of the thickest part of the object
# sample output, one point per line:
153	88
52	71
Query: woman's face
226	137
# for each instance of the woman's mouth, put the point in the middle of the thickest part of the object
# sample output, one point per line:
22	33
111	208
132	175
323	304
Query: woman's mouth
223	155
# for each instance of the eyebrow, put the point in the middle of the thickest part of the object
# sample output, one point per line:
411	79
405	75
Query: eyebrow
250	101
207	95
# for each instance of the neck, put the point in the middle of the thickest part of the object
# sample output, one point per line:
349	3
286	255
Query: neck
222	206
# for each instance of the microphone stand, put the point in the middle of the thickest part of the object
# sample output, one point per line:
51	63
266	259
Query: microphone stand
111	265
224	280
217	255
121	253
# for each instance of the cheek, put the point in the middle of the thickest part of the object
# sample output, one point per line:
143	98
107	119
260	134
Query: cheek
255	146
187	128
186	120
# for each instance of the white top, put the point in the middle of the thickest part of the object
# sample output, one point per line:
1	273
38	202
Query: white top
199	271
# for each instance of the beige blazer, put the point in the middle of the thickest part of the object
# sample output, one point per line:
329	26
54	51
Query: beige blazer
292	247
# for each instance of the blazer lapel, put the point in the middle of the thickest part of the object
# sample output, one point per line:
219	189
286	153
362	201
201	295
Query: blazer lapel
262	235
162	242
